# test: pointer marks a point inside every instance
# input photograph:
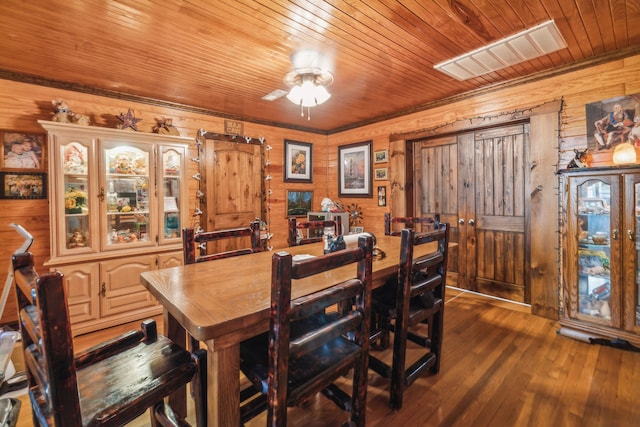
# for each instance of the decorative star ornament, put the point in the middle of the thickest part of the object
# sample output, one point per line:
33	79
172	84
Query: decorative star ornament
128	120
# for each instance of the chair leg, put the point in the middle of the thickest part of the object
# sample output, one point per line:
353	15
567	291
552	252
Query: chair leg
199	386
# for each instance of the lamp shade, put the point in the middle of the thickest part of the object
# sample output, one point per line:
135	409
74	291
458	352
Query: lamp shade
624	154
308	93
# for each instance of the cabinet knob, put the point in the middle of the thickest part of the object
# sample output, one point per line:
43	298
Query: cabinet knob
101	194
103	289
461	221
472	222
615	234
630	235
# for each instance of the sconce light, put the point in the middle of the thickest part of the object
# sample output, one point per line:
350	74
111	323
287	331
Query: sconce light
624	154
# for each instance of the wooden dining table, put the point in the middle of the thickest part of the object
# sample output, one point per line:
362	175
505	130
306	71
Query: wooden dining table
226	301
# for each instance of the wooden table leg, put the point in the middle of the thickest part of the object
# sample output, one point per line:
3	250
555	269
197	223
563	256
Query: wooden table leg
176	333
223	372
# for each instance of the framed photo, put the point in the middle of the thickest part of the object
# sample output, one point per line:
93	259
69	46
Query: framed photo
299	202
23	185
382	196
381	174
354	170
358	229
22	150
298	161
381	156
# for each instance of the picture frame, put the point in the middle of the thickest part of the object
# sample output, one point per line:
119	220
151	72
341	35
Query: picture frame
298	161
381	174
23	185
382	196
358	229
611	122
299	203
22	150
354	170
381	156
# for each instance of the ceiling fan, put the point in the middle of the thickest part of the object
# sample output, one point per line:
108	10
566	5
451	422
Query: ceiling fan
307	81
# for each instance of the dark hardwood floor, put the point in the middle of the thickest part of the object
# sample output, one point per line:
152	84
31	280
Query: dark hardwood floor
501	367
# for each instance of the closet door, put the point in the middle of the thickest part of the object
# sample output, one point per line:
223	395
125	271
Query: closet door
476	181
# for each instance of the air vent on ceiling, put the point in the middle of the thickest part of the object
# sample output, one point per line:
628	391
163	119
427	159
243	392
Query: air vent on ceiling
537	41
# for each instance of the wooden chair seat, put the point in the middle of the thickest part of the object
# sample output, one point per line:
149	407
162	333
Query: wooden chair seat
307	348
415	297
107	385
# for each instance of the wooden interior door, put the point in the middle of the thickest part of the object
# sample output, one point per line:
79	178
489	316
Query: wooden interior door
477	182
232	184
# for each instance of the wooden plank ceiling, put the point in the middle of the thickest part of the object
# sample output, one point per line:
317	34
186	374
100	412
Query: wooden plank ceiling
223	56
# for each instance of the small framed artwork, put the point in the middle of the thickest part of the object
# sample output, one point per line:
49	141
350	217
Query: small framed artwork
354	170
22	150
382	196
298	161
358	229
381	174
299	202
23	185
381	156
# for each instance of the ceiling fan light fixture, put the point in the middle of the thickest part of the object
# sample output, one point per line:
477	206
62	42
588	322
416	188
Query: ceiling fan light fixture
308	93
307	81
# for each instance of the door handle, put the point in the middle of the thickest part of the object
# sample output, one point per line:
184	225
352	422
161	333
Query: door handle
472	222
461	221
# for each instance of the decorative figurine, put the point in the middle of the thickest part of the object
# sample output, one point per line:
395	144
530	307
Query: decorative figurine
581	159
128	120
63	114
165	126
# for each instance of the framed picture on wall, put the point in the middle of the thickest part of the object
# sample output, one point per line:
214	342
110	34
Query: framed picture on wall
613	121
22	150
299	203
381	174
381	156
354	170
298	161
382	196
23	185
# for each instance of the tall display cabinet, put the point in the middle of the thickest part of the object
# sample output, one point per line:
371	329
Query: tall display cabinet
118	202
601	261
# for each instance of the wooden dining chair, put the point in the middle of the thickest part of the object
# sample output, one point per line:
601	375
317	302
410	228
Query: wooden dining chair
192	242
306	349
315	230
409	222
107	385
413	308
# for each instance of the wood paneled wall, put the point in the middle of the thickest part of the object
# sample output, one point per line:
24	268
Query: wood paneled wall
23	104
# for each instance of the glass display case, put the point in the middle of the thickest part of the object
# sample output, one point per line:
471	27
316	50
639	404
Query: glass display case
118	202
601	262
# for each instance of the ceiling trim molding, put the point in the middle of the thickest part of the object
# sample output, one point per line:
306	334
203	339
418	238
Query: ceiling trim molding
591	62
75	87
90	90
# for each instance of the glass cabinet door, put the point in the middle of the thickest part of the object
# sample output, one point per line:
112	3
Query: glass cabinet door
171	192
594	226
631	237
126	186
78	205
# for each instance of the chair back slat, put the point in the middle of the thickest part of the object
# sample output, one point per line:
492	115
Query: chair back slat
193	251
315	230
410	222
